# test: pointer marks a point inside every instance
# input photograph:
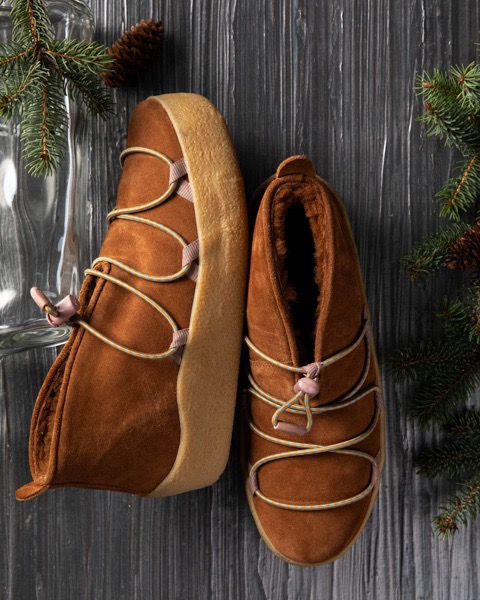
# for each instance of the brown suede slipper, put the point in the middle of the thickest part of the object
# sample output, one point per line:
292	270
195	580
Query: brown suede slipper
313	439
141	399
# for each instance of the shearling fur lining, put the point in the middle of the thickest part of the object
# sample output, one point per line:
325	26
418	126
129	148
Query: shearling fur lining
299	238
44	426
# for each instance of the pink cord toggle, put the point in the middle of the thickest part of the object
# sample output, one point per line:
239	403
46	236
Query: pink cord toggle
307	386
291	428
66	309
59	314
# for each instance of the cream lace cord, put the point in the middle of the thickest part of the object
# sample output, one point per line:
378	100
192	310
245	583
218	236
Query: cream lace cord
300	404
66	309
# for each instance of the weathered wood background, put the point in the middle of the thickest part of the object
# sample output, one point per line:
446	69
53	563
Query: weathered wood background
333	80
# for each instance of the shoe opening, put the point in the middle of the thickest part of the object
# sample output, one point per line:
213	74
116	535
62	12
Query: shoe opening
298	237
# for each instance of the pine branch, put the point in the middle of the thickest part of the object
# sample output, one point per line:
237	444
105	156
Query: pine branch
36	71
452	104
438	397
459	509
464	425
74	57
31	23
450	458
449	371
45	114
426	258
468	80
12	89
10	54
446	116
418	362
86	89
473	309
459	193
455	319
461	316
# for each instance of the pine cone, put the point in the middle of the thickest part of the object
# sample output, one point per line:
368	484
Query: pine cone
464	253
133	52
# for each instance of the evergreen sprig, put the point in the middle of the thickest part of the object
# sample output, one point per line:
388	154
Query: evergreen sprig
441	393
459	193
426	258
452	113
447	371
36	72
464	425
451	458
445	115
456	320
417	362
459	509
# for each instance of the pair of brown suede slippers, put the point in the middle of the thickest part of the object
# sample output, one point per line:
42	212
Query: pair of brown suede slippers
142	397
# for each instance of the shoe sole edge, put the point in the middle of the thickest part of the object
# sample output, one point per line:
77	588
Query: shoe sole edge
208	374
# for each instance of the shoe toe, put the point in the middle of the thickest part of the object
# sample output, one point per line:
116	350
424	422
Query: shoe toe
313	537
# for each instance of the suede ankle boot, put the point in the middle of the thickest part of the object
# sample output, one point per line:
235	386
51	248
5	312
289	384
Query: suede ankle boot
313	435
141	398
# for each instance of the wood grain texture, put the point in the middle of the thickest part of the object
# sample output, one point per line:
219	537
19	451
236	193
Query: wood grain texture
333	80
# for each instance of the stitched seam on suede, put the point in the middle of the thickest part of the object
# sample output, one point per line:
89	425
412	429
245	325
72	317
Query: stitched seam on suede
259	361
320	239
340	223
327	266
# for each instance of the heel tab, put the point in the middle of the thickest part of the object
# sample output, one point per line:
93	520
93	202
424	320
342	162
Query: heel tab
30	491
296	165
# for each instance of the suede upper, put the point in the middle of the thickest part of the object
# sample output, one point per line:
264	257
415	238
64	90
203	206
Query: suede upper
105	419
306	303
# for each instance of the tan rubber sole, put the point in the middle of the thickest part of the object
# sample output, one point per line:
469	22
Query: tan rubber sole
375	490
208	375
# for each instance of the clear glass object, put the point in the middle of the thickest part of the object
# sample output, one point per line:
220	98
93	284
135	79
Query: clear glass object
41	220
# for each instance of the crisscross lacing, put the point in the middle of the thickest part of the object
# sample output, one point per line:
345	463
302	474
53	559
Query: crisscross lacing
190	252
300	404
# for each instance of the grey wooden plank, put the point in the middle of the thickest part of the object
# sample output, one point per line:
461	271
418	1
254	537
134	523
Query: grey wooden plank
333	80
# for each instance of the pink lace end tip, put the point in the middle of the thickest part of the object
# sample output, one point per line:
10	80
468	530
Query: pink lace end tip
39	298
